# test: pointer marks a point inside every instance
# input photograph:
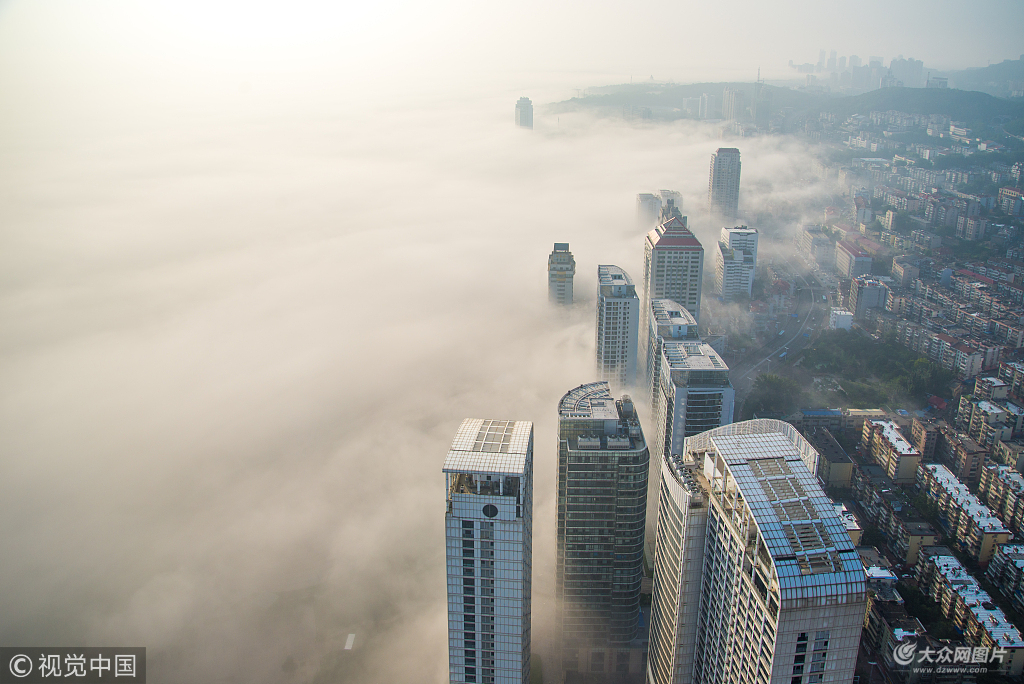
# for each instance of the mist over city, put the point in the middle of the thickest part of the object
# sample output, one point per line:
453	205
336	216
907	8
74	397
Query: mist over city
259	264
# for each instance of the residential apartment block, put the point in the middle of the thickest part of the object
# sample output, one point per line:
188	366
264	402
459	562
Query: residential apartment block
973	526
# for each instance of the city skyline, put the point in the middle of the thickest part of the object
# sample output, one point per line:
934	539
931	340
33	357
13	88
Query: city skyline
233	364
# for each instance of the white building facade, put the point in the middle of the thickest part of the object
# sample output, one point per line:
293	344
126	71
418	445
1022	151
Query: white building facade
724	182
735	262
618	320
673	269
489	541
692	393
667	320
755	577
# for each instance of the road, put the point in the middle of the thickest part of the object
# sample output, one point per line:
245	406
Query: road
810	310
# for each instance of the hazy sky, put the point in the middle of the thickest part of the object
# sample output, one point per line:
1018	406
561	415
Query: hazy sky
256	265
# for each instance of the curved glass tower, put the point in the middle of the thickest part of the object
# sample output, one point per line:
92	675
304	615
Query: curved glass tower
755	577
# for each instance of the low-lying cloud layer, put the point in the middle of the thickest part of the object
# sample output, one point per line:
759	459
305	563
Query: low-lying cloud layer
237	343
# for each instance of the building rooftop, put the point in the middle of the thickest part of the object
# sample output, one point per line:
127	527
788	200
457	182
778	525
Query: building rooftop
964	500
674	234
694	355
593	400
671	312
823	412
497	447
847	516
612	275
1010	477
827	445
807	540
892	434
979	602
853	250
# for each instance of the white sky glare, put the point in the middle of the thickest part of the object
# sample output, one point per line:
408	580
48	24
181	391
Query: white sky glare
258	260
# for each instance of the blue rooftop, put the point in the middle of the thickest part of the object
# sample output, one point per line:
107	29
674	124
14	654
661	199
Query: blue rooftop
821	412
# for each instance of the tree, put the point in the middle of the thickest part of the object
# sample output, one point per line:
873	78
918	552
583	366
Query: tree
773	393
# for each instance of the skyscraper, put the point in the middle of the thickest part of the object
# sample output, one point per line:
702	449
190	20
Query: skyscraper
761	108
648	209
673	269
733	104
561	269
691	393
489	541
524	112
673	266
666	320
735	262
755	577
708	106
724	182
602	498
618	316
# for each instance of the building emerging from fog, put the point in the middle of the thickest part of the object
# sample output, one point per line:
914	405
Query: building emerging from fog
602	501
666	320
656	208
755	577
489	541
673	269
735	262
691	393
724	182
561	269
618	315
524	112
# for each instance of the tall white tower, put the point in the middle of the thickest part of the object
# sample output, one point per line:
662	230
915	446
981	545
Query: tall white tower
618	318
735	262
561	269
724	182
524	113
489	540
692	393
755	577
673	269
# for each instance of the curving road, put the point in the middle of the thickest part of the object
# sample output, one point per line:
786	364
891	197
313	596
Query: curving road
808	304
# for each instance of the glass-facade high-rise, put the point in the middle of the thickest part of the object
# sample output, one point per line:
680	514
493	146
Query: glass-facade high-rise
692	393
755	577
602	499
618	317
724	182
524	113
488	540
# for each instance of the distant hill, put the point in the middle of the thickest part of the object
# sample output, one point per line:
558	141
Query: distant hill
994	79
666	99
960	105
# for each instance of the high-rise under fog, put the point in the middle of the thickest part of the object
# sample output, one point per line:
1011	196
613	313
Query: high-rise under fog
735	262
755	577
724	182
561	270
618	315
673	268
524	113
489	551
602	502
